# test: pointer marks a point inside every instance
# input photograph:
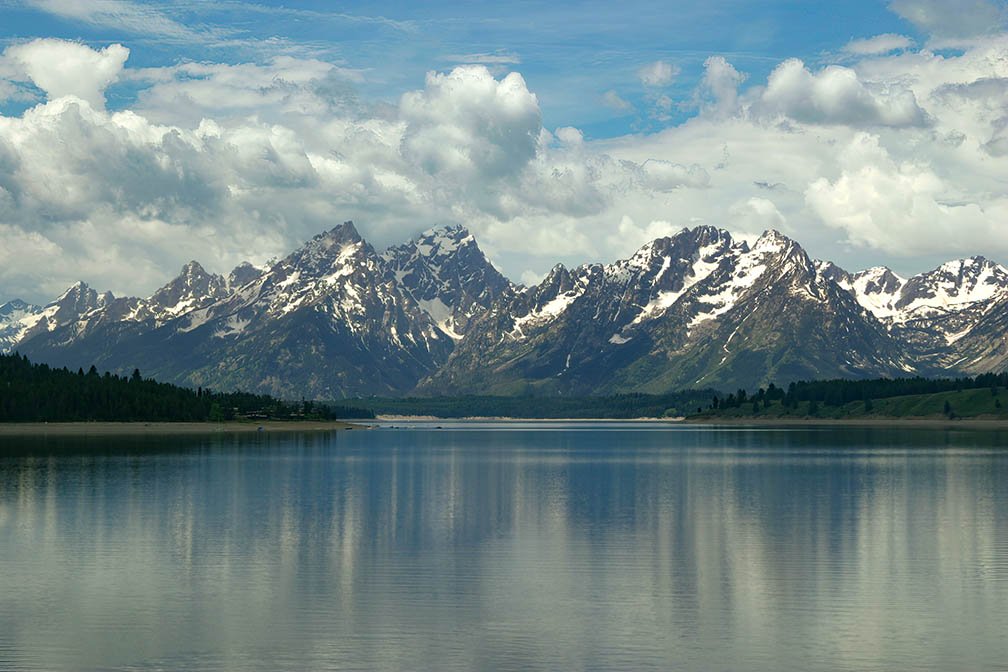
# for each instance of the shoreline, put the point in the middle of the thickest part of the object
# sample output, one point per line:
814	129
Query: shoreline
170	428
279	427
783	423
506	418
921	422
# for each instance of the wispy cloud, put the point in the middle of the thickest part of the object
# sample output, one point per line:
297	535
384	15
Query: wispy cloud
293	12
880	44
657	74
131	17
499	57
613	100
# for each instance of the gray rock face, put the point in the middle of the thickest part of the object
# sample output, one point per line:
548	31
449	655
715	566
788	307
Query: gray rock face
697	309
447	274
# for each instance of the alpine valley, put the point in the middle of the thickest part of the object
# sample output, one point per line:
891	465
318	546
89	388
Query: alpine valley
336	318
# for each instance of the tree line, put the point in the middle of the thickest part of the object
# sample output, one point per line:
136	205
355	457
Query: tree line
840	391
619	406
40	393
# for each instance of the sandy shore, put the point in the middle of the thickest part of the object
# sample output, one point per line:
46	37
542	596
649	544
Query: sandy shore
909	423
148	428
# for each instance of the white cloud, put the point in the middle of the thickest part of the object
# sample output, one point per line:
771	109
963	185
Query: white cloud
133	17
880	44
467	123
718	91
628	230
756	215
218	162
570	136
658	74
188	92
836	95
660	175
613	100
901	207
63	68
952	18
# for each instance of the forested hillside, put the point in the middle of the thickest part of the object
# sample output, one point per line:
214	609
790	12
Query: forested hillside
883	398
620	406
38	393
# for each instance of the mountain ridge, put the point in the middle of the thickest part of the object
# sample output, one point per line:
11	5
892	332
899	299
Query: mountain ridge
336	318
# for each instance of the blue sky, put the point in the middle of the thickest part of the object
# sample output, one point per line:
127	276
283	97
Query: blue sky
570	54
135	136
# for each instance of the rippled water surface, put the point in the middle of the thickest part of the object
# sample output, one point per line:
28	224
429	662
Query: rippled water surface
509	546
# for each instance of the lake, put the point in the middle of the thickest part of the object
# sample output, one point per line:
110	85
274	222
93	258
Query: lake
507	546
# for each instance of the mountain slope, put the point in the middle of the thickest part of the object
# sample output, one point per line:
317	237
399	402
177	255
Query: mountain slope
323	322
690	310
697	309
449	277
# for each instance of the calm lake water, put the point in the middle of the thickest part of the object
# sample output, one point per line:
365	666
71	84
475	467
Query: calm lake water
507	547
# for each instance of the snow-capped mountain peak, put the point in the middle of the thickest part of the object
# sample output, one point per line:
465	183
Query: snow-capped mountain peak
193	288
334	317
446	273
15	315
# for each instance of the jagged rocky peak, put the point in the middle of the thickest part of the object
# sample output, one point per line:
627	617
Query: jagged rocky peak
341	234
331	256
774	242
832	272
954	285
878	280
17	307
79	299
684	245
319	253
442	241
442	254
243	274
192	288
15	318
557	281
446	273
673	262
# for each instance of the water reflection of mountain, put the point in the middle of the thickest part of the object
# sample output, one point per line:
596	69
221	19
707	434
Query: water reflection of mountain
542	549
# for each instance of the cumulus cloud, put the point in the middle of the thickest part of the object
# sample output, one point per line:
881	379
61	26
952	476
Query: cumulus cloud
570	136
952	18
657	74
467	122
900	153
900	207
719	86
836	95
62	68
880	44
757	214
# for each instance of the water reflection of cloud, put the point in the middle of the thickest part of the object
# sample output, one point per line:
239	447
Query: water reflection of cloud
524	549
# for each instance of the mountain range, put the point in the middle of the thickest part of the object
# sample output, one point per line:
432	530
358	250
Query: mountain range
337	318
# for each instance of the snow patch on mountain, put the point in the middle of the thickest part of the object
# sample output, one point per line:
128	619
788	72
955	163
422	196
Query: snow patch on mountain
549	311
705	262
